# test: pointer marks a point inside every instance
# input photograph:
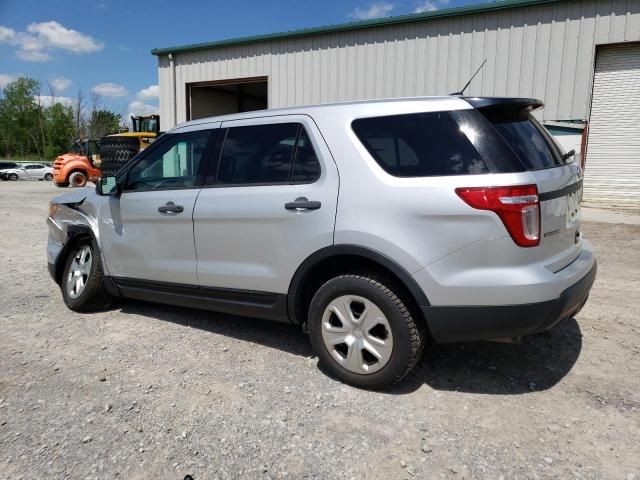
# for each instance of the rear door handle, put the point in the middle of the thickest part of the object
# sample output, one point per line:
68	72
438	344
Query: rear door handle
171	207
302	203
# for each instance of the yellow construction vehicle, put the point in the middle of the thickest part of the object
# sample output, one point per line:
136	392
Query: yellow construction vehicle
119	148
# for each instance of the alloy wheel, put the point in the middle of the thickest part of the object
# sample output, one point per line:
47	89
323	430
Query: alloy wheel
79	272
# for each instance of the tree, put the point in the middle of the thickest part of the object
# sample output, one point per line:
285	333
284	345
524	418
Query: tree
19	117
103	122
60	129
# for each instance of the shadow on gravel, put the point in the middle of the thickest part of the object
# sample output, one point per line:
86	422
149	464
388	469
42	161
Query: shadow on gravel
537	363
282	336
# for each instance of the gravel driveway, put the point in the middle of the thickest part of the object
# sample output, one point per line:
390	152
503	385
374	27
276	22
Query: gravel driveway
149	391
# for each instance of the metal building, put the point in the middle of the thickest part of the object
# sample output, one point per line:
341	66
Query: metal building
581	57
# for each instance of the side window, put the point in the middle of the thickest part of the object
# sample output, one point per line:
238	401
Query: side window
175	163
34	167
260	154
306	168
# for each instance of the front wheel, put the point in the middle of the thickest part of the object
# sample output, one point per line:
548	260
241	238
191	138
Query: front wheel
48	177
78	179
362	331
13	177
83	284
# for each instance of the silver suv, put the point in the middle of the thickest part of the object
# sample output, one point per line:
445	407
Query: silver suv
374	225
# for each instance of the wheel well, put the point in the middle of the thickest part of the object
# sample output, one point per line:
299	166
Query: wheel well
341	264
62	257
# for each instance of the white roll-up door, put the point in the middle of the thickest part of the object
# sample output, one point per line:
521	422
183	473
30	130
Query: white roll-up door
612	172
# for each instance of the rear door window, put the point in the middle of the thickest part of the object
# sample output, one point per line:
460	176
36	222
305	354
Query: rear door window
260	154
270	154
306	167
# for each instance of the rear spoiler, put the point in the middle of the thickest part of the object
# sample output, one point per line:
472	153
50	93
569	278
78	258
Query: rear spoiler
504	102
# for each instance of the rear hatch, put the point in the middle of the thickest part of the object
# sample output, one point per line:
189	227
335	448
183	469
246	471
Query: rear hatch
558	179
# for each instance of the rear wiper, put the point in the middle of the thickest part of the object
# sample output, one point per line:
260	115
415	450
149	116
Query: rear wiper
568	155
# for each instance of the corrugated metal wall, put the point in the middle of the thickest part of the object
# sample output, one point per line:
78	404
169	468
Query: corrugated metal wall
544	51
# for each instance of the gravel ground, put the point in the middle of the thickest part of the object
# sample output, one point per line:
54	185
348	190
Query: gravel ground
148	391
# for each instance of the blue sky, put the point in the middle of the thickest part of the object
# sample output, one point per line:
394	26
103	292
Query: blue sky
104	45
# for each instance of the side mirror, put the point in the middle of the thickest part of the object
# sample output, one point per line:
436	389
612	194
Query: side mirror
108	186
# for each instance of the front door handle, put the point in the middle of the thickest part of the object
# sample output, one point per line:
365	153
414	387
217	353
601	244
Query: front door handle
302	203
171	207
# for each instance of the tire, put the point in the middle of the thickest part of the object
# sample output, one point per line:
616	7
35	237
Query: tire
48	177
77	179
83	286
387	320
115	153
13	177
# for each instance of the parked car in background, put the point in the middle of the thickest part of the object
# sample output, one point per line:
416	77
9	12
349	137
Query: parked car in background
6	166
372	224
28	171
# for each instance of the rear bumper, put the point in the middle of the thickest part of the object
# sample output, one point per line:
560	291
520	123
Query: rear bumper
466	323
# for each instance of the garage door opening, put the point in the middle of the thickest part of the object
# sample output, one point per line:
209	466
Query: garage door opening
221	98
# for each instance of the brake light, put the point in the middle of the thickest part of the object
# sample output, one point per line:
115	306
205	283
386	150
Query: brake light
518	208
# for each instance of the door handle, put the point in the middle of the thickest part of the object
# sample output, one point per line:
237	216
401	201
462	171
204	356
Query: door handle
171	207
302	203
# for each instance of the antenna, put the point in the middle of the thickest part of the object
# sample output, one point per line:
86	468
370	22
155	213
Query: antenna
461	92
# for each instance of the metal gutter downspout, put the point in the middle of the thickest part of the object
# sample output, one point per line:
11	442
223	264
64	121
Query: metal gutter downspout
174	106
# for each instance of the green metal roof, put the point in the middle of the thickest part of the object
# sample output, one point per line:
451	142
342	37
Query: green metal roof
345	27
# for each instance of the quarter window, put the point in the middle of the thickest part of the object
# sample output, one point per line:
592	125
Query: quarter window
175	163
424	144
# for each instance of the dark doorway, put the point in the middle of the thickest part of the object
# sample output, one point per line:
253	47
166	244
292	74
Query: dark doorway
208	99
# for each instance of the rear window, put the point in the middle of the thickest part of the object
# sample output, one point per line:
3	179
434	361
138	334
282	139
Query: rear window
435	144
529	140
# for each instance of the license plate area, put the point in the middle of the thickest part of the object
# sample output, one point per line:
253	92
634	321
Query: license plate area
572	210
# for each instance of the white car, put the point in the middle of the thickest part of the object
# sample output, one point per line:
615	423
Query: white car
28	171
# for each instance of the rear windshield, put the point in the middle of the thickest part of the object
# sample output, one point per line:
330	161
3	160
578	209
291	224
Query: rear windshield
444	143
529	140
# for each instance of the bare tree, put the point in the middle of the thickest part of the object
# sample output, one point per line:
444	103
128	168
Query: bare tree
52	92
78	107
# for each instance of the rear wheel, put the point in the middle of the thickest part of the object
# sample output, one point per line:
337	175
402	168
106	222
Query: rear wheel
83	284
362	331
77	179
48	177
13	177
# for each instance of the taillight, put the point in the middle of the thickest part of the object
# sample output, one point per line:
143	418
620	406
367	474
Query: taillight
518	208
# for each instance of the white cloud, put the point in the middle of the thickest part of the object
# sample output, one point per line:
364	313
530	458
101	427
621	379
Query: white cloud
428	6
48	100
60	83
374	10
40	39
110	90
6	79
7	34
57	36
33	56
149	93
138	107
